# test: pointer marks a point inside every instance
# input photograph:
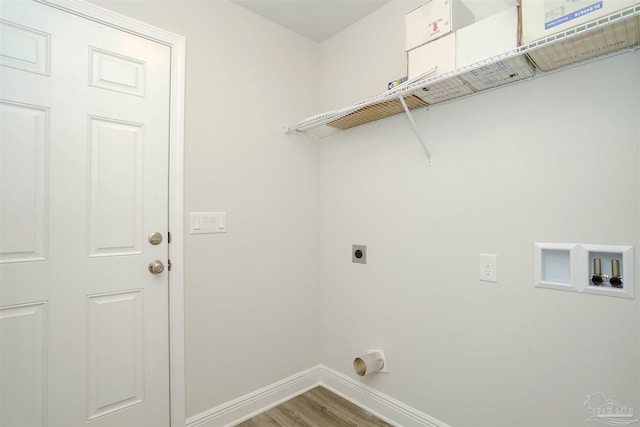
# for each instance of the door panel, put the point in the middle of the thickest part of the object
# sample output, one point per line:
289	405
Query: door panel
24	48
23	170
116	176
84	180
24	348
116	72
116	351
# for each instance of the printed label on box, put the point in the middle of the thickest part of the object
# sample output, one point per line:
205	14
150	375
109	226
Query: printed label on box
395	83
435	27
558	12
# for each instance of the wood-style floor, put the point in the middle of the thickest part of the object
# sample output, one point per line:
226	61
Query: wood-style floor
316	408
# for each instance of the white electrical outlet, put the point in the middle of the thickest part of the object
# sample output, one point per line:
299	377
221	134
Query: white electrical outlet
489	268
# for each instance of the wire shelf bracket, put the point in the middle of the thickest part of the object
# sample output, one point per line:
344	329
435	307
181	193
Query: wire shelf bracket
415	129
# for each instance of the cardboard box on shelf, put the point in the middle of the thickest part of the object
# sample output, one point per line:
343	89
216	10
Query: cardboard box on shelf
499	73
542	18
487	38
440	53
445	90
588	45
397	82
433	20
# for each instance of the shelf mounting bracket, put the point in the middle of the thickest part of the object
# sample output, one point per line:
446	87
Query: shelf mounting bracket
415	129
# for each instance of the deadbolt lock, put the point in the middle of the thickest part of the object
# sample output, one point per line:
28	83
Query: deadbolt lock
155	238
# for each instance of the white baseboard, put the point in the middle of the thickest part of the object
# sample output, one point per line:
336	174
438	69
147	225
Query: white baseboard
247	406
385	407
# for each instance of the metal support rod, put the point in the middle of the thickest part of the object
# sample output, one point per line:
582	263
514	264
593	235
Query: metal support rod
415	129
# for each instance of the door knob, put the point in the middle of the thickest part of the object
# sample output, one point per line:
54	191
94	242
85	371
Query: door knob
156	267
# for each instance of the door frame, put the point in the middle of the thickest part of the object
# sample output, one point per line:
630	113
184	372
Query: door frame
177	44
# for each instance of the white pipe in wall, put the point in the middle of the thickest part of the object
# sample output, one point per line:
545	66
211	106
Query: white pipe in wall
370	362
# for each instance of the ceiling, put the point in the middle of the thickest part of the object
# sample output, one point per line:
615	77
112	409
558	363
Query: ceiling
320	19
314	19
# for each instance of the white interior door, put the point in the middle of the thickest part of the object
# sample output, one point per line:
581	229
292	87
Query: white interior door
84	128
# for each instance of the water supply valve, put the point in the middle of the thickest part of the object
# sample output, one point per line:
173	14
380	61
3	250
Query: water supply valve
616	279
598	278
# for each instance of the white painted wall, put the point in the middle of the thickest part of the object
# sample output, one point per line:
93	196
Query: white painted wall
552	160
252	295
358	62
555	159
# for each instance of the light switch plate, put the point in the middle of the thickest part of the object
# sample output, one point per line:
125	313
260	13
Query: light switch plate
207	222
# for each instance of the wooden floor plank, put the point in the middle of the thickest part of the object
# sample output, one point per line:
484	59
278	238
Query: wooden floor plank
316	414
347	411
318	407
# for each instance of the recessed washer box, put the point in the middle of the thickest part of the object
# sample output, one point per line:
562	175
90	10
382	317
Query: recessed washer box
570	267
556	266
606	254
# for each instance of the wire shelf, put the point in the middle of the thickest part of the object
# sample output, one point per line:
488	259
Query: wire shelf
611	34
377	111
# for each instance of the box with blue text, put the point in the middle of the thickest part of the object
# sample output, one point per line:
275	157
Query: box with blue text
543	18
